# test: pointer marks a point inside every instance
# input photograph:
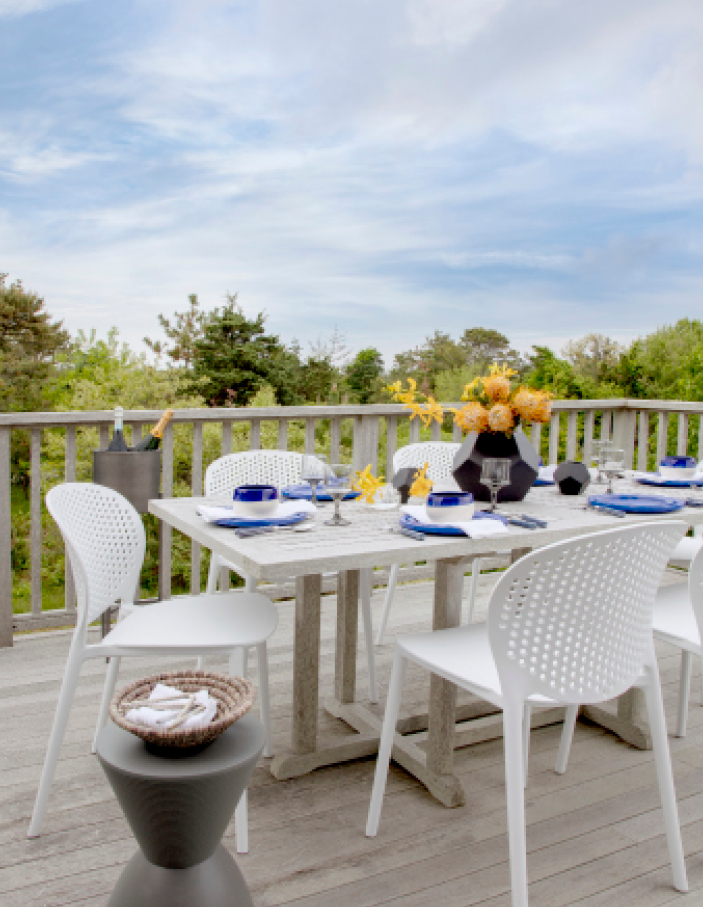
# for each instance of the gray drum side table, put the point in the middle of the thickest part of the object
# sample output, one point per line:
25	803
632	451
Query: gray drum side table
178	805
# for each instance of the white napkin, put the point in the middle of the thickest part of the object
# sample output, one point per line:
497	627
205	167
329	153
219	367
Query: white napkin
546	473
157	718
475	529
637	474
211	513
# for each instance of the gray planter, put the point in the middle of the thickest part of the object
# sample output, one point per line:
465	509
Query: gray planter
135	474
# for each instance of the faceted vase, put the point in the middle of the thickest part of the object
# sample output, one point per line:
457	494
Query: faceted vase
478	446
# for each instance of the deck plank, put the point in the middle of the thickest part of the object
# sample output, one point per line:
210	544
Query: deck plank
594	833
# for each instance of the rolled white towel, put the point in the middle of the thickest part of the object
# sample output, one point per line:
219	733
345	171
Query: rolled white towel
475	529
159	719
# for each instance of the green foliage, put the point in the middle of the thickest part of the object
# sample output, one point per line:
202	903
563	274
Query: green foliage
449	385
363	374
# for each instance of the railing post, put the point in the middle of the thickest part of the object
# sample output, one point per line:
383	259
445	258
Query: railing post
70	473
365	443
643	441
662	436
624	434
571	426
165	531
35	532
197	489
6	616
589	422
554	438
682	437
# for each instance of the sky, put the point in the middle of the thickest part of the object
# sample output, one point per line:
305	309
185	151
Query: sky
386	167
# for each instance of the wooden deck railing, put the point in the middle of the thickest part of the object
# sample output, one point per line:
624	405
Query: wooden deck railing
647	430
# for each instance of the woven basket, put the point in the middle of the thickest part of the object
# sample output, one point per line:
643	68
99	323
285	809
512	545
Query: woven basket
234	695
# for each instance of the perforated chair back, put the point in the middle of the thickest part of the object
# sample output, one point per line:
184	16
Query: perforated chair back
105	542
573	621
695	588
272	467
439	454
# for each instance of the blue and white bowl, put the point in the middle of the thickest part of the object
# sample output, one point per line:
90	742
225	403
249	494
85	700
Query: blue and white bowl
255	500
450	506
677	468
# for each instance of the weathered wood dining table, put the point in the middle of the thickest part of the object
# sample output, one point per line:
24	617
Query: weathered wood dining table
363	545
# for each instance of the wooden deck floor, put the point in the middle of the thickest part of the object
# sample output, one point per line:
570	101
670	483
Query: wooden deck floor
594	834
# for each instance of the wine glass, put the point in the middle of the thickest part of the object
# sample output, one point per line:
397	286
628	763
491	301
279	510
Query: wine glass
599	456
339	487
613	465
495	474
313	472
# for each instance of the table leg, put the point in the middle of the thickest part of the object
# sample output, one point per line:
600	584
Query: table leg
306	663
627	719
449	578
347	636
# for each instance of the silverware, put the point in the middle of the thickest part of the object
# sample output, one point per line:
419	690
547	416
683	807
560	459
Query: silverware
603	508
409	533
524	524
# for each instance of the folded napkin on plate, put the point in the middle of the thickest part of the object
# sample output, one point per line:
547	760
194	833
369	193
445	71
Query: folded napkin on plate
475	529
212	514
636	474
159	719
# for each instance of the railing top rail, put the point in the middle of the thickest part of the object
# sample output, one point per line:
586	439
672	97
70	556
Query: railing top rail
246	414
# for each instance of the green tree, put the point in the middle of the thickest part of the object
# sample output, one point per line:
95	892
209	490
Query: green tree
363	373
483	346
183	332
29	344
235	357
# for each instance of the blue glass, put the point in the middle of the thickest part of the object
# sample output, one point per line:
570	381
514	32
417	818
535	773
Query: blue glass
255	493
449	498
678	463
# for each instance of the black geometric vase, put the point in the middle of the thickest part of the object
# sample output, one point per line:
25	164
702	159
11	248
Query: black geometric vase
477	447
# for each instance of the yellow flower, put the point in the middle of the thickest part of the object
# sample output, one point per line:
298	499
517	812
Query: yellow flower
470	388
472	417
429	412
500	417
421	485
497	387
531	405
367	484
502	371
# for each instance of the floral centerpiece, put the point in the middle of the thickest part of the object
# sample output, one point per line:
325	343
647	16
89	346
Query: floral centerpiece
492	403
494	409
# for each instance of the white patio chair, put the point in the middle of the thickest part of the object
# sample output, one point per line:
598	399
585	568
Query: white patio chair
440	456
105	542
279	468
567	624
678	612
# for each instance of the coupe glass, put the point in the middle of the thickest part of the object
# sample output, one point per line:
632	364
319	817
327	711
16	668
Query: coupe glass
313	472
339	486
495	474
613	465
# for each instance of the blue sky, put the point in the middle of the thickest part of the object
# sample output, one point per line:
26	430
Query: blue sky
390	167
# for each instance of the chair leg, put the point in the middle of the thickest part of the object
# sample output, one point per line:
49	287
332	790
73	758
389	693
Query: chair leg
662	761
108	690
701	679
684	692
390	592
515	795
249	584
238	662
567	735
385	748
213	573
241	823
367	621
63	709
526	726
473	586
264	695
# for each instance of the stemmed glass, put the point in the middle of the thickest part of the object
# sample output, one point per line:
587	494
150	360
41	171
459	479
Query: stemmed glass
495	474
313	472
599	456
339	487
613	465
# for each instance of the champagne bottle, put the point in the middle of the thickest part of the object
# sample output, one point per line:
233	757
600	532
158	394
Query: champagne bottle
153	439
118	442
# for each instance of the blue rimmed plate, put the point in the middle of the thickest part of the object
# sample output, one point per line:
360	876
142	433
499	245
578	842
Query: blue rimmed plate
637	503
235	522
655	479
538	483
409	522
304	493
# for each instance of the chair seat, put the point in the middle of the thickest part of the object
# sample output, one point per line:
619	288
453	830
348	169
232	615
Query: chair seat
674	620
685	551
463	656
222	621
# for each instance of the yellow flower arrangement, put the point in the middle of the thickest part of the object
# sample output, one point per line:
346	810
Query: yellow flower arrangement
491	403
421	485
367	484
